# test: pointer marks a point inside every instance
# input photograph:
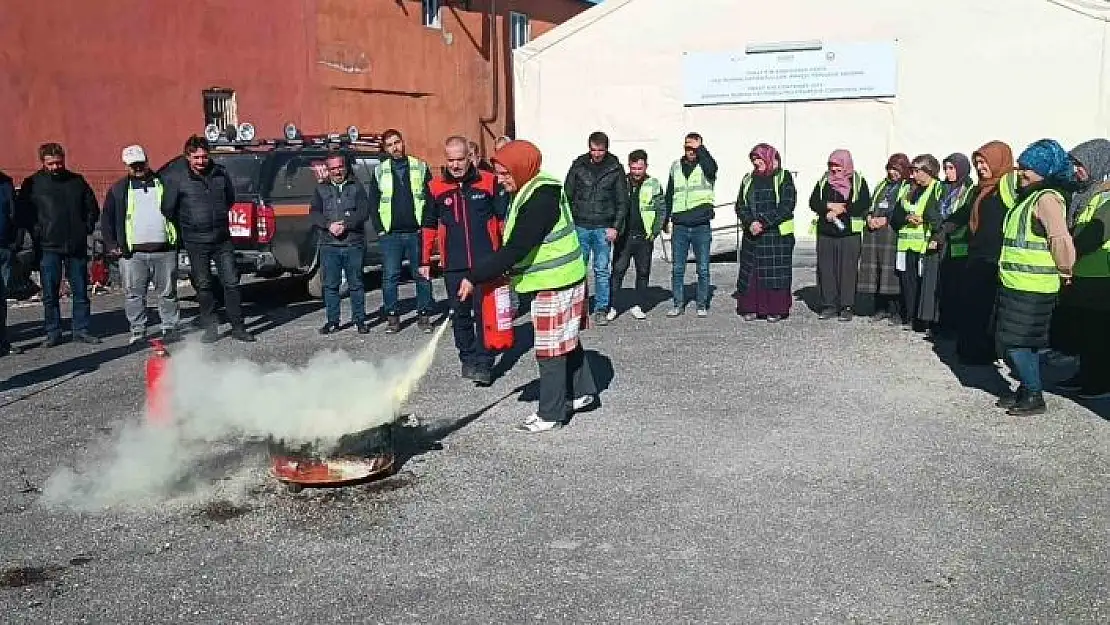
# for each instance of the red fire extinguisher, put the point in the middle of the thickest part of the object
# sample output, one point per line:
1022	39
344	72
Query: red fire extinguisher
497	315
157	408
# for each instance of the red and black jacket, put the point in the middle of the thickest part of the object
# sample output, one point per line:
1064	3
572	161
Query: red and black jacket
465	219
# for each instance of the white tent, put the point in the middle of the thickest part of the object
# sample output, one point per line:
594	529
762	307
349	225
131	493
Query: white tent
960	73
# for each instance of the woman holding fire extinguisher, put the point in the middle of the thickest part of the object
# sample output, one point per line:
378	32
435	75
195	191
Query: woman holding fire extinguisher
465	220
542	254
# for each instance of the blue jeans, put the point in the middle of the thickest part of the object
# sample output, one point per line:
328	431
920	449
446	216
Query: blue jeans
396	248
77	271
5	282
682	239
1026	365
593	240
337	261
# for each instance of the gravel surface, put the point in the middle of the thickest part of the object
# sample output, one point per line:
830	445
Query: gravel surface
736	472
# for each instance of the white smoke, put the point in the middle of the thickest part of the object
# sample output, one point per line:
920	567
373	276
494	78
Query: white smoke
217	407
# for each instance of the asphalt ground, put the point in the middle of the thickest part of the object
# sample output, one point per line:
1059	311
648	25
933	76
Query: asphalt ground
736	472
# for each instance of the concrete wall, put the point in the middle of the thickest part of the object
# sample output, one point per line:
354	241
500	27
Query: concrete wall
99	75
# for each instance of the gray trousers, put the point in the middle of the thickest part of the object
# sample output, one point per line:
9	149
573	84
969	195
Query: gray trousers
837	270
139	271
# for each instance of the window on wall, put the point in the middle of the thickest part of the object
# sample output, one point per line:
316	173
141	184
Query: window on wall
219	108
431	13
520	31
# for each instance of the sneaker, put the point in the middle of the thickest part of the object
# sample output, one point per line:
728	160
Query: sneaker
392	324
611	315
241	334
846	314
532	424
1072	384
363	327
827	313
1011	399
675	311
749	316
136	337
637	313
424	322
86	338
1094	393
774	318
703	312
52	340
482	376
582	403
601	319
1028	405
211	335
329	328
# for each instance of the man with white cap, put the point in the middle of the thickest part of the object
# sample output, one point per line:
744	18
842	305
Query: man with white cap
135	229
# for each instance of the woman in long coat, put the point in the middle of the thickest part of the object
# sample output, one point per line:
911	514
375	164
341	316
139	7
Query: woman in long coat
941	269
765	208
878	282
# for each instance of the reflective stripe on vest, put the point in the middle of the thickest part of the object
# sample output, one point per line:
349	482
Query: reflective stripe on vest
1007	189
880	192
129	216
557	262
1097	263
913	238
786	227
857	222
383	174
649	188
692	192
1026	263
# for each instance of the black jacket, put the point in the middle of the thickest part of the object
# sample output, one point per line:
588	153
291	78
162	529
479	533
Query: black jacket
60	210
598	193
534	221
823	193
198	203
465	219
349	204
7	210
115	214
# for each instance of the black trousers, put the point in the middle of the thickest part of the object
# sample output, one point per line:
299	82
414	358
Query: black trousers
910	281
466	324
838	270
1094	349
974	329
201	256
628	249
562	378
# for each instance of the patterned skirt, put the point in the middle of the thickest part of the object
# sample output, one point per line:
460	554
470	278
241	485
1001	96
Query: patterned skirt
876	263
557	317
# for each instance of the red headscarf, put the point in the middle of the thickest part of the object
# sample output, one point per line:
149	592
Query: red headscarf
842	182
770	158
522	159
900	163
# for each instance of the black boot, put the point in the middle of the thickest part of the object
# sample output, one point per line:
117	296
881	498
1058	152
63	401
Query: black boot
1029	404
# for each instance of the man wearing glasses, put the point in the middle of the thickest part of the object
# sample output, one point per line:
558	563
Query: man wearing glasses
338	211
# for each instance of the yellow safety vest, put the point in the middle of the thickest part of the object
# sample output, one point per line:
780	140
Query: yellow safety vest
957	240
1007	189
1097	263
129	217
1026	264
383	174
857	222
649	190
786	227
913	238
557	262
692	192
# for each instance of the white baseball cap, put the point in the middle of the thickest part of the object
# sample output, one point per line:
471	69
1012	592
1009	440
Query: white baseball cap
134	154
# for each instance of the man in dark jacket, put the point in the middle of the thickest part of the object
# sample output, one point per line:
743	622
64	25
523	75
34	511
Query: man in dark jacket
135	230
198	198
60	209
338	211
398	195
468	209
597	190
690	201
7	242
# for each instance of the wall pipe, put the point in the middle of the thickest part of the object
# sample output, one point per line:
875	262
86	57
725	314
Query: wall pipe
493	52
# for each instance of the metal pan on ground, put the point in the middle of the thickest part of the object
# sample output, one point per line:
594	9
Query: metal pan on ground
300	472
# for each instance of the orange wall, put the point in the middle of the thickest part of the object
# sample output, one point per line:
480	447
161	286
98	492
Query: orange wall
126	71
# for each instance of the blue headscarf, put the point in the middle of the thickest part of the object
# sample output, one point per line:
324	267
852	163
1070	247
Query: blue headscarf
1049	159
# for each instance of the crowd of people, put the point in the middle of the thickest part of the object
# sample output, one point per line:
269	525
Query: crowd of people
990	261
